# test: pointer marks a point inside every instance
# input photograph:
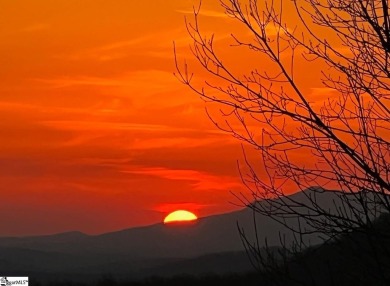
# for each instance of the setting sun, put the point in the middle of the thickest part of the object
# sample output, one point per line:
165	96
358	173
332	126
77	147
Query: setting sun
180	216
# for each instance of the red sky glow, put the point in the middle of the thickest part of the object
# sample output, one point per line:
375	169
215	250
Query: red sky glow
96	132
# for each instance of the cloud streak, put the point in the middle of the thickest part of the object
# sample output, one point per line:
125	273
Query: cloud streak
200	181
205	12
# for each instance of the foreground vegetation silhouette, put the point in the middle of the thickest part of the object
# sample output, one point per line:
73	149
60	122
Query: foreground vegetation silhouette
331	130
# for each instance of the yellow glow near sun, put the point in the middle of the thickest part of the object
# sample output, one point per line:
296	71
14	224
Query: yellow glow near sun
180	215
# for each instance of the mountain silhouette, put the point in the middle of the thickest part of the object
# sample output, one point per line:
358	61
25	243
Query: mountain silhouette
159	248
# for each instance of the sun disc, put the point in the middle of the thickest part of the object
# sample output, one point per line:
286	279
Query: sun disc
180	216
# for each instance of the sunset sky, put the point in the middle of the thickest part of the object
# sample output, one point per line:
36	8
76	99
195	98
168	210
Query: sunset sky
96	132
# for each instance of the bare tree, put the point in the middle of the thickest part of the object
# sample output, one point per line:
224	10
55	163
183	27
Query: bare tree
344	135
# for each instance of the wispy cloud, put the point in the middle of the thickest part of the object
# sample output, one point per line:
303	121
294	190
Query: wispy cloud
62	82
7	105
175	142
147	80
205	12
199	180
323	91
75	125
36	27
140	45
144	88
138	136
274	30
169	207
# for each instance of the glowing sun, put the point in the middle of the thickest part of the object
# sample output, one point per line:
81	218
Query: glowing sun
180	216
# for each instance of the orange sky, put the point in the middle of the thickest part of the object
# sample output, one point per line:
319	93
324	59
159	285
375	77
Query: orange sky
96	132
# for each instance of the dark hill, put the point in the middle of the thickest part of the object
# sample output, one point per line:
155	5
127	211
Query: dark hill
159	248
208	235
361	257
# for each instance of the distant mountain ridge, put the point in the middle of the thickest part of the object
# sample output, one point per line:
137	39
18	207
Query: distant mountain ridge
160	240
146	249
